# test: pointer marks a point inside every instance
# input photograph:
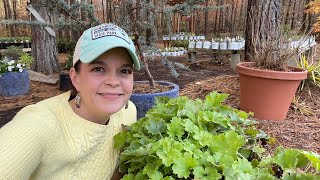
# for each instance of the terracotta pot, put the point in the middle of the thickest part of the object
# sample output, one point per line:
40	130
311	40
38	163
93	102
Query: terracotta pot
268	93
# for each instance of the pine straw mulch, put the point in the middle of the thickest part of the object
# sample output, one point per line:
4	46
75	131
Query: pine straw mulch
297	131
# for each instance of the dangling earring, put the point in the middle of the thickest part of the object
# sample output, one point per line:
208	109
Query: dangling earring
77	100
126	106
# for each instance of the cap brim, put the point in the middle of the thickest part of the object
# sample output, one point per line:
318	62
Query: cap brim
94	53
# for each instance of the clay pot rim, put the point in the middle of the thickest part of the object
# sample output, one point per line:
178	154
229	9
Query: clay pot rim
175	87
295	74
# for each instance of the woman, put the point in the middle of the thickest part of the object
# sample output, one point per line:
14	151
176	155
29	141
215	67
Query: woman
72	138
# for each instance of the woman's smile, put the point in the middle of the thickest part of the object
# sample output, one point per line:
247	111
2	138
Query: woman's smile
110	95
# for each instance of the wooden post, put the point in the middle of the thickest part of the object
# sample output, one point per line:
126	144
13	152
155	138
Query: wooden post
192	56
192	23
235	59
40	19
178	23
174	22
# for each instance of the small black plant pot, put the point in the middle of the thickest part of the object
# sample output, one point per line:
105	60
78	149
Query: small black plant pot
65	82
26	44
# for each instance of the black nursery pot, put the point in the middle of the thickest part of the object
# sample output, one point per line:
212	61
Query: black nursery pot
65	82
26	45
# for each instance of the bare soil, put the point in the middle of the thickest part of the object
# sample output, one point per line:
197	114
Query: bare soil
301	129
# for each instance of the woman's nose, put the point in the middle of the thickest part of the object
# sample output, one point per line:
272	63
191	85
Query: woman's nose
112	79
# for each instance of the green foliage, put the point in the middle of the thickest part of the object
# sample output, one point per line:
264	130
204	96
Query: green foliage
313	72
180	43
15	60
26	59
78	15
13	52
203	139
69	62
65	45
15	39
8	65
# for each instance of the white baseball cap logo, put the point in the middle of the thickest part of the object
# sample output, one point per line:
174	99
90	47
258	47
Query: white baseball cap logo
109	30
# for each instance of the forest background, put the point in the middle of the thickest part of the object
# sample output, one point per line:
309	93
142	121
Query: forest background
224	17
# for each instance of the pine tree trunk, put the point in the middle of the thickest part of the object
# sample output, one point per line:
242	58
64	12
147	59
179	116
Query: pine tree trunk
220	25
43	48
293	20
14	9
232	16
148	29
263	22
110	12
103	14
240	25
215	29
304	18
206	20
8	11
75	34
288	12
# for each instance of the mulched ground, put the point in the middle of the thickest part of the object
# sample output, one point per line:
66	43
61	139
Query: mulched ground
301	129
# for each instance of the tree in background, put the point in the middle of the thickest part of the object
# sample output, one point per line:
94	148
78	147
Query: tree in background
141	17
263	27
43	48
57	14
154	19
314	7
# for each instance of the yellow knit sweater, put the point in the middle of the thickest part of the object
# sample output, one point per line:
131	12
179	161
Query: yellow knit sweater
49	141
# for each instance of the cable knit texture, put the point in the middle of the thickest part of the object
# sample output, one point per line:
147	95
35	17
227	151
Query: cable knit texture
48	140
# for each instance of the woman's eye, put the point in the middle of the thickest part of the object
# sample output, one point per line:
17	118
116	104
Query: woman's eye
97	69
126	71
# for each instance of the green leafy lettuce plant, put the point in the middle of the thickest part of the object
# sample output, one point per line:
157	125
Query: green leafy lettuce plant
204	139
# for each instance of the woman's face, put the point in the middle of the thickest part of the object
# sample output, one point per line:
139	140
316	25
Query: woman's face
105	85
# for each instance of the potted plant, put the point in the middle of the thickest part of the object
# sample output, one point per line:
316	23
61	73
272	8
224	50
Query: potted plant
144	99
144	37
14	77
206	44
199	44
215	44
267	84
204	139
192	44
223	45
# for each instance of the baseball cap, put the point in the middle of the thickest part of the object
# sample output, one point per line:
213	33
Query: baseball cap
99	39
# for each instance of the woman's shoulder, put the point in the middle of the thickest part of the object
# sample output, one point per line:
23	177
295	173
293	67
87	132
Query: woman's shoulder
61	98
45	109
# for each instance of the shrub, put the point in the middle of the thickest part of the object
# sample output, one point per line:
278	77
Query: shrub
26	59
194	139
313	72
13	52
